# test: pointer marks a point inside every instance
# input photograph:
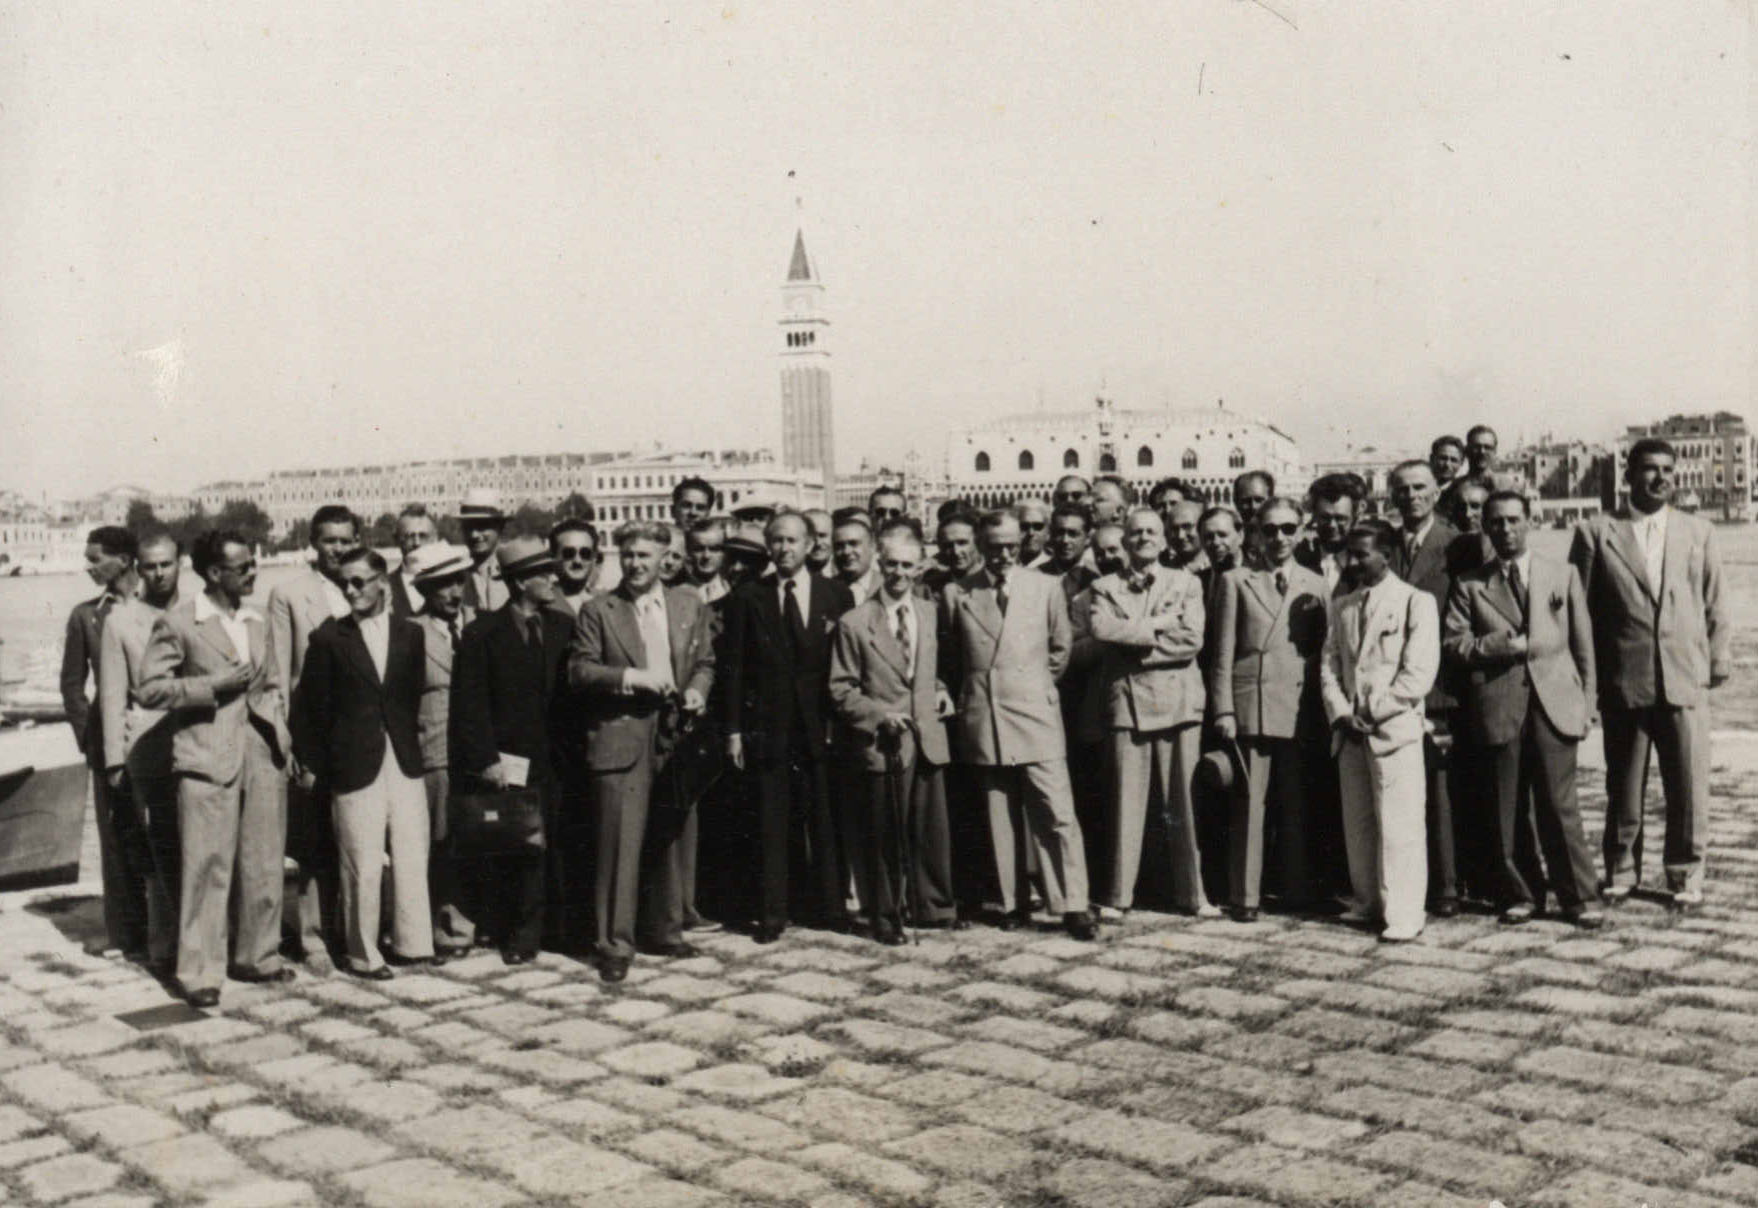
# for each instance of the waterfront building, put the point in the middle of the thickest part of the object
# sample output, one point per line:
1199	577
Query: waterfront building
1022	456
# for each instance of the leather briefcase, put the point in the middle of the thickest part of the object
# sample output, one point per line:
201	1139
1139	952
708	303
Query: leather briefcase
497	821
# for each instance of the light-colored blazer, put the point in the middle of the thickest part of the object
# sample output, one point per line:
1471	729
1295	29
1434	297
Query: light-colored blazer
1266	651
134	736
868	681
182	660
621	727
1149	641
1008	709
1483	614
433	712
1381	664
296	608
1680	624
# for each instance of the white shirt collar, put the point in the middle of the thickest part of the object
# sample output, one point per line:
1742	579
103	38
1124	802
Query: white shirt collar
655	593
1524	562
802	578
1420	533
206	609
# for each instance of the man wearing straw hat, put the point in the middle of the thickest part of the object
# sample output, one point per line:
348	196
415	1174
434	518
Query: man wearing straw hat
482	520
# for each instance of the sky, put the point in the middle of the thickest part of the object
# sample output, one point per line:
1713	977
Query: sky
242	237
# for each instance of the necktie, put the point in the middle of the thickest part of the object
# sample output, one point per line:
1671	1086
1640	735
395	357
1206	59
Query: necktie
1001	594
903	639
452	628
1517	585
1281	582
796	620
534	631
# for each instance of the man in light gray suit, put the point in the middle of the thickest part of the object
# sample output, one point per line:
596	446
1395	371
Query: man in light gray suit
296	608
1661	638
210	664
1517	629
1009	636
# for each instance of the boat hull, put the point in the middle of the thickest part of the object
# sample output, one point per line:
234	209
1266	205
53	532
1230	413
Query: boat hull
43	788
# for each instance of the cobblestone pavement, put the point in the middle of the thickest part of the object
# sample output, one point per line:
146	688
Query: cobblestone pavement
1177	1063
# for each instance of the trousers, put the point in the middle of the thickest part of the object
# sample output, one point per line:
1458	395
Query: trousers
1679	738
1031	806
1145	766
388	814
1383	829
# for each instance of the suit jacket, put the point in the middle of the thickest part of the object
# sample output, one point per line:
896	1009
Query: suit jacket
1149	641
1266	652
1382	663
622	728
773	692
79	656
504	692
1654	644
1009	711
405	603
868	681
1317	559
1497	687
344	713
431	716
1432	571
296	608
132	736
484	590
183	658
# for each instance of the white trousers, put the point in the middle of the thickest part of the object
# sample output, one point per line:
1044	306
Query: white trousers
388	814
1384	799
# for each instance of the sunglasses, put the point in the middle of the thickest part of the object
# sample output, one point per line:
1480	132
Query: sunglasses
357	584
578	555
1285	530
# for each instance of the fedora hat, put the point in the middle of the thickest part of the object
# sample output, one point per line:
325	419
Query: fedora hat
1222	771
435	561
522	555
481	503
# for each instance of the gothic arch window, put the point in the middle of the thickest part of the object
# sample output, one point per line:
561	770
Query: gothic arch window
1236	460
982	463
1107	464
1144	456
1026	460
1071	460
1190	459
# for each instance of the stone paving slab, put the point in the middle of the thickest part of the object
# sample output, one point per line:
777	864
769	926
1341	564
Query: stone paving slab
1176	1063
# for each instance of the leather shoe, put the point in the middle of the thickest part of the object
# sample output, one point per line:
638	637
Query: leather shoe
1245	914
613	968
1081	925
767	934
1519	912
382	973
889	934
682	950
1013	920
518	956
1587	918
204	998
274	977
1445	908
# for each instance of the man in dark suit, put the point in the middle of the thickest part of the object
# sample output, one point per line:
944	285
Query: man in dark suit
356	740
1518	628
642	660
506	674
1420	559
123	858
776	663
1661	641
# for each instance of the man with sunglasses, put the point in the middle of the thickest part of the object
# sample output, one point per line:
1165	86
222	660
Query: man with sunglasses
356	737
1263	692
884	505
573	543
210	664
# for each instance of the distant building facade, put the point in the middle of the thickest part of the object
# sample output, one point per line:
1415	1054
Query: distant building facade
1022	456
1714	471
808	435
639	488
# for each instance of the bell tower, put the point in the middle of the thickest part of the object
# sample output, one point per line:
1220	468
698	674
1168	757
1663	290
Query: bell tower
807	438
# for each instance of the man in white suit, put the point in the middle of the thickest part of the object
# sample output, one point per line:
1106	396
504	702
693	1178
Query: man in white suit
1382	651
1009	636
1661	638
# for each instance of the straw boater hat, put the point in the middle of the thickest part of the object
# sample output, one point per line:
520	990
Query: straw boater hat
522	555
435	561
481	503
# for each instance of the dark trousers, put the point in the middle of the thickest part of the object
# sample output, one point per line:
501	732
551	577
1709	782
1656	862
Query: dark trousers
967	822
1271	815
796	830
504	893
125	865
1680	739
638	879
312	915
153	814
1213	815
1537	811
1443	877
898	854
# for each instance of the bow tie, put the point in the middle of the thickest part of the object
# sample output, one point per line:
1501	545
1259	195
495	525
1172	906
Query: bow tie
1141	582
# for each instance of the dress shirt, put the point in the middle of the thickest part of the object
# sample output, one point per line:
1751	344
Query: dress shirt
375	631
802	580
1651	537
1413	540
712	590
233	625
867	586
903	609
650	617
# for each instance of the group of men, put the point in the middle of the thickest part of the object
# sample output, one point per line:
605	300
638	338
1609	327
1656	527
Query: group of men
839	723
